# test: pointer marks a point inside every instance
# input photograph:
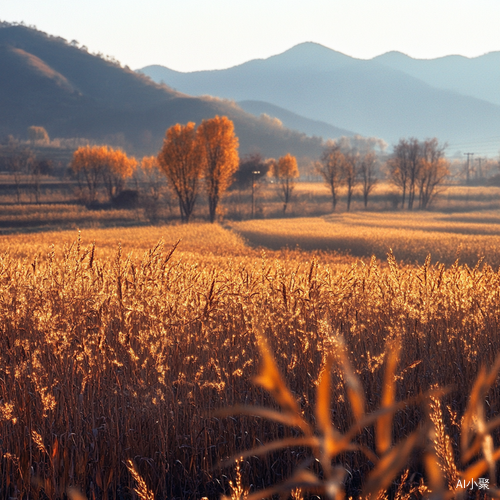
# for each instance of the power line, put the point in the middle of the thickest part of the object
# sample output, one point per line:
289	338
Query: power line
467	172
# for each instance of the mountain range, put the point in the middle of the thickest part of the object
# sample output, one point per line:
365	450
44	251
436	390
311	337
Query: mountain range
453	98
46	81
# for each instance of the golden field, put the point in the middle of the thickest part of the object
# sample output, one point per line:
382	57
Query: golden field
117	357
309	199
467	237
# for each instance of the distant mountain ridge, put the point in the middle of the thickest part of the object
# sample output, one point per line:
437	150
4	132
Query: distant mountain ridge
390	96
48	82
477	77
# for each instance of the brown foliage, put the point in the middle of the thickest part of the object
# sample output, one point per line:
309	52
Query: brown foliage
102	163
285	171
180	160
38	134
219	156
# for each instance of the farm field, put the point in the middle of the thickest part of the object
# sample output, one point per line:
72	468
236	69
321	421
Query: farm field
467	237
116	356
61	210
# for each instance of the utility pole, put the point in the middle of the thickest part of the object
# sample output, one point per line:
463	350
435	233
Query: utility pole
467	172
254	173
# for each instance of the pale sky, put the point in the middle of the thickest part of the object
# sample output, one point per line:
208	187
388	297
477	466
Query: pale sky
190	35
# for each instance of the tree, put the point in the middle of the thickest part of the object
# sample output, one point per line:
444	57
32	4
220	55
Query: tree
180	160
421	165
37	169
102	163
245	176
415	164
361	156
117	168
218	147
399	168
285	171
434	170
154	182
368	174
87	164
20	165
38	134
331	168
350	170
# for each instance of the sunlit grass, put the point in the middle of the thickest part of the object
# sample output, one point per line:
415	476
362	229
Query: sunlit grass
447	237
114	359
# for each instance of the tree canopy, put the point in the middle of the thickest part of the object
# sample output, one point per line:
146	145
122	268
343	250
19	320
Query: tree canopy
285	171
218	146
180	160
96	164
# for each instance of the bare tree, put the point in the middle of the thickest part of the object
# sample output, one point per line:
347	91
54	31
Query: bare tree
350	172
415	164
361	164
331	168
419	165
434	170
368	174
155	185
20	165
399	168
35	177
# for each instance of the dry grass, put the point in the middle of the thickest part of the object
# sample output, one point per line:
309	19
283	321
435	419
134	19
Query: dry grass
469	236
202	238
113	363
15	218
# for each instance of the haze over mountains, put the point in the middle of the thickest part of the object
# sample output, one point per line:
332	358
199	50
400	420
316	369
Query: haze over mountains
391	96
46	81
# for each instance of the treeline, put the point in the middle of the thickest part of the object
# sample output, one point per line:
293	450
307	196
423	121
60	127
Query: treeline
195	161
417	168
189	159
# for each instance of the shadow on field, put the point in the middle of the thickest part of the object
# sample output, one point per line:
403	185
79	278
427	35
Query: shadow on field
356	247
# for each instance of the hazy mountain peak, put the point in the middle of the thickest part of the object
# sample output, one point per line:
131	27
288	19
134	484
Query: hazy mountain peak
308	55
393	55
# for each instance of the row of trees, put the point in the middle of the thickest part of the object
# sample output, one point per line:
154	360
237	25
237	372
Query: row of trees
417	168
348	163
189	154
27	171
208	154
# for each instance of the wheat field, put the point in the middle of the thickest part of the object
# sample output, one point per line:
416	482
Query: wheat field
132	369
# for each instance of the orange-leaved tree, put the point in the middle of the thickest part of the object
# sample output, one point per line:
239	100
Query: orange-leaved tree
102	163
117	168
218	146
179	159
87	164
285	171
